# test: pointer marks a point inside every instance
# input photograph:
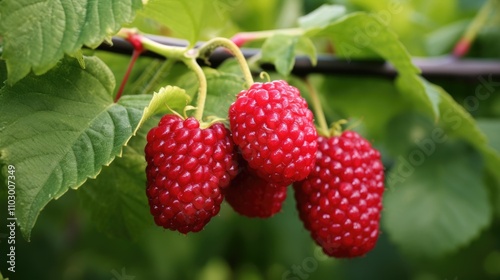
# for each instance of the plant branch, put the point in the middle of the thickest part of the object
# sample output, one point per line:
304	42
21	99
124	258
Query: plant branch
446	67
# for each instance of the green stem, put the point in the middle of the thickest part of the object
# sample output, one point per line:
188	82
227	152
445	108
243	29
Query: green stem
202	92
244	37
318	111
205	50
164	50
150	45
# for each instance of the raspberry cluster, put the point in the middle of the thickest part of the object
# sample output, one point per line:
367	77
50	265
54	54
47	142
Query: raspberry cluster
272	143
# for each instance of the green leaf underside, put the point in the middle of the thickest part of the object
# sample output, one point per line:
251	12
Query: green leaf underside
358	33
440	205
164	101
281	50
361	35
37	34
59	129
116	199
322	16
185	18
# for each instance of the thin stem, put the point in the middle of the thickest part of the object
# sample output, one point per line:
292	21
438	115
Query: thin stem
210	46
202	92
318	111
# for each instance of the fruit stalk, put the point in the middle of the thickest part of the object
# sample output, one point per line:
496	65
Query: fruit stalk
209	46
202	90
318	110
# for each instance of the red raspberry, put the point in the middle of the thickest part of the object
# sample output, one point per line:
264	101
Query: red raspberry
186	168
341	200
275	132
252	196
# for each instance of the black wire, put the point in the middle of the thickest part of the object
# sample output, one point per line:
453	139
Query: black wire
439	67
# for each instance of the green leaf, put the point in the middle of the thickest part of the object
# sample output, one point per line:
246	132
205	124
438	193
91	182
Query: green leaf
185	18
421	93
167	99
457	121
361	35
3	73
322	16
491	129
441	41
362	98
408	129
440	202
59	129
281	50
222	90
222	87
116	199
306	46
37	34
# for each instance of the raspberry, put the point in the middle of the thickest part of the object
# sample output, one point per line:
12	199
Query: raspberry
275	132
252	196
186	168
341	200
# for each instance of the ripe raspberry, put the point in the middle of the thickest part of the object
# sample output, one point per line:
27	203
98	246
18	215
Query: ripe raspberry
274	130
341	200
186	168
252	196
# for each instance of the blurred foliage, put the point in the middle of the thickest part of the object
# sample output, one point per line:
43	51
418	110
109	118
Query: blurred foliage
66	243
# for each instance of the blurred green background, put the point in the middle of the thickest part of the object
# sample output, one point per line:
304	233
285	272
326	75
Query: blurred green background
66	245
